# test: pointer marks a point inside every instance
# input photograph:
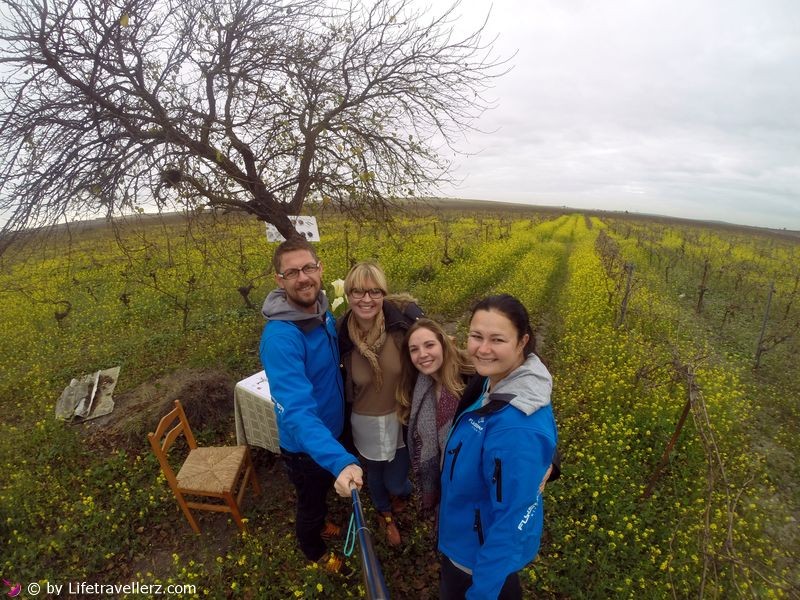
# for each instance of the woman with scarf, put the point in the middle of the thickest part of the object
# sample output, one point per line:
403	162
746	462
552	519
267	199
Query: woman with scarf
433	376
370	337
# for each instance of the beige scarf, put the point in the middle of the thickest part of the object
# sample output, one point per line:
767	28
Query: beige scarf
369	343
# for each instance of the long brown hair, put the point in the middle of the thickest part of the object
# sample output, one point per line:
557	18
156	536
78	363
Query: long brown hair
454	364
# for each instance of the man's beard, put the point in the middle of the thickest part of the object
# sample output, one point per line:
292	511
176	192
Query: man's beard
296	299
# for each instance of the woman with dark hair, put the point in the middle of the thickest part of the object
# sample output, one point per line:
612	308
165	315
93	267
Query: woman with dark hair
497	457
432	378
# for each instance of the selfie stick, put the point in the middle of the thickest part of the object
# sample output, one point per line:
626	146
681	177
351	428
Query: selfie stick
373	576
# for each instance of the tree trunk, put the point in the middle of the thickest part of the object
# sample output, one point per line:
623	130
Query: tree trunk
268	209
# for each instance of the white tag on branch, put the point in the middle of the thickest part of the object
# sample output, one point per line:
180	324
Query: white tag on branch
305	226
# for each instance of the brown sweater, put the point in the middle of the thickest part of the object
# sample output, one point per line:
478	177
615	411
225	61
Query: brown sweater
366	399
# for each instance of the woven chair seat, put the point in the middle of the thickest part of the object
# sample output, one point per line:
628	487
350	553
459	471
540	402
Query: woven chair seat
214	472
213	469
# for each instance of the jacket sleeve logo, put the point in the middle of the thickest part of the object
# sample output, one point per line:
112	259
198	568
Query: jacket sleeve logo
528	514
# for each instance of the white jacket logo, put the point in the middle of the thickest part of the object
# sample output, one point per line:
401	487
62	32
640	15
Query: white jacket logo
278	406
477	425
528	513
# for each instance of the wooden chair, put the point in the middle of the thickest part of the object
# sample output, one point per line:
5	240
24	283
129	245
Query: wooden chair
214	471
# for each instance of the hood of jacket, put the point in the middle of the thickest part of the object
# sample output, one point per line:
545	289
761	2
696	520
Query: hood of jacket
277	308
526	388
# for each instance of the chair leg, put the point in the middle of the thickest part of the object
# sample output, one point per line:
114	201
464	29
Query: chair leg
237	516
254	482
187	512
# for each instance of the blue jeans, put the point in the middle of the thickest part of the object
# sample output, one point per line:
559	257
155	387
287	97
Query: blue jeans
385	477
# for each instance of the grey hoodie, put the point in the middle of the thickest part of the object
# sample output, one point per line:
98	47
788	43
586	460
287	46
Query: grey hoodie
526	388
278	308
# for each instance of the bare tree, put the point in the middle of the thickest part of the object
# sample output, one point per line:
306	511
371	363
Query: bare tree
257	105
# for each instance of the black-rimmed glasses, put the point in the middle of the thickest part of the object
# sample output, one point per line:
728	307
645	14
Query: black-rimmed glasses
374	293
294	273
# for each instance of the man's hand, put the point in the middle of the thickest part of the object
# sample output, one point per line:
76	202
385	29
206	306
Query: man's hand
350	475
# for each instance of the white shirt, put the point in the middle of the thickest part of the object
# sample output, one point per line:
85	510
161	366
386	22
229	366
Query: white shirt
377	438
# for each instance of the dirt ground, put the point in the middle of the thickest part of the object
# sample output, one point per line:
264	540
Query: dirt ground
218	533
208	400
206	397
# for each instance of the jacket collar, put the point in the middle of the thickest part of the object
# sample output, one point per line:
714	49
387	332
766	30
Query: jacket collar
527	388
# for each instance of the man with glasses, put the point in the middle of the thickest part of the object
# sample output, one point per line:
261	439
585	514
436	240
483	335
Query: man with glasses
301	358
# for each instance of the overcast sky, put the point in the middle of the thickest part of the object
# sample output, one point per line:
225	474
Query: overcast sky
689	108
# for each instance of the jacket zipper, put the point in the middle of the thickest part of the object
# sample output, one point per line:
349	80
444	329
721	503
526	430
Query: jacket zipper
334	348
477	526
497	478
454	452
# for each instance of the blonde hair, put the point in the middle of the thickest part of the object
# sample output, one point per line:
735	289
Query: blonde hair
362	273
454	365
369	343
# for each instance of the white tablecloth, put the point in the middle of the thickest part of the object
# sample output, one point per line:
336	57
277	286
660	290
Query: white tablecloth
254	412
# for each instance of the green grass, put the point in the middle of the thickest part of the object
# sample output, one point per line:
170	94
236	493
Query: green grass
75	506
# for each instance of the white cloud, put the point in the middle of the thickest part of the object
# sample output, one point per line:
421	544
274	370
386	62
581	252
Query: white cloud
682	108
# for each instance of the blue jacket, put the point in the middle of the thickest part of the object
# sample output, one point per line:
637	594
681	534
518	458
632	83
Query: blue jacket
300	355
490	516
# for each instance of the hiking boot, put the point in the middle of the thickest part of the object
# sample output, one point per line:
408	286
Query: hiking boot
331	531
333	563
399	504
386	521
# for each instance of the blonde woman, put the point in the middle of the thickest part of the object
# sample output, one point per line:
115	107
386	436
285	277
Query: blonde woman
370	337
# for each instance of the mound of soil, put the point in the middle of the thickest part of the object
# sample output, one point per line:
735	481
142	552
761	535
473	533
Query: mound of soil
206	396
